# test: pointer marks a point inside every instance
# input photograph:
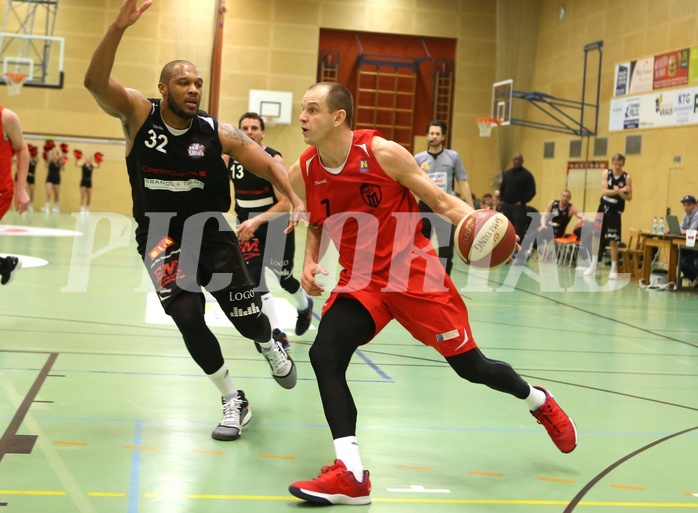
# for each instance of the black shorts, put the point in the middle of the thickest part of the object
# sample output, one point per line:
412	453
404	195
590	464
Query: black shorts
173	268
272	249
86	183
54	177
608	223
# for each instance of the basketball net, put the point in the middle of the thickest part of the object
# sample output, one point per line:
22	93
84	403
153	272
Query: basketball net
270	120
14	82
486	125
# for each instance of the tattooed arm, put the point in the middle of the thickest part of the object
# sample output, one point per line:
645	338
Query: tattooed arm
252	157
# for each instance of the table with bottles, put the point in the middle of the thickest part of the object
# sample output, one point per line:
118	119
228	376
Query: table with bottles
661	241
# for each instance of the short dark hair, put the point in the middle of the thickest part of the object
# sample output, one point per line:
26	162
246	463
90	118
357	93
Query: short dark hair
440	124
252	115
168	69
339	98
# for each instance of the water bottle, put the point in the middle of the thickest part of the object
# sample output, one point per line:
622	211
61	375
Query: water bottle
660	229
654	225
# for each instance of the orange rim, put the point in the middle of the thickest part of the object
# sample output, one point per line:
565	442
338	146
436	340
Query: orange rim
492	121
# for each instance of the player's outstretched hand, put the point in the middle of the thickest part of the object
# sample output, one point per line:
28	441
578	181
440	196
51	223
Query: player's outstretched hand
311	286
297	214
130	12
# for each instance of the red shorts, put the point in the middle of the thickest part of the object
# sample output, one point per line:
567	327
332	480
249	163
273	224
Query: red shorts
5	201
438	319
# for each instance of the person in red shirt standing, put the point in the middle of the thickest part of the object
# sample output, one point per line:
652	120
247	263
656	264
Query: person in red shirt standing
12	145
359	191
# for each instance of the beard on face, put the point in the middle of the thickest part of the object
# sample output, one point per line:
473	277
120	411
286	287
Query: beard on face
172	105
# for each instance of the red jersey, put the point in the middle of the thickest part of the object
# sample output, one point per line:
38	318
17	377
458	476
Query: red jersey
6	153
375	225
373	221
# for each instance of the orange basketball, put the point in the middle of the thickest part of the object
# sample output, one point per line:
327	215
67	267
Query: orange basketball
485	239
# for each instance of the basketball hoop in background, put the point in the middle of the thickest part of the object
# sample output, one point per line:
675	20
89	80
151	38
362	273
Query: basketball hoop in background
14	82
486	125
269	119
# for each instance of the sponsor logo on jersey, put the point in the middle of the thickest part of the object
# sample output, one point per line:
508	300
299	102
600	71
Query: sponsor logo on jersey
363	166
425	166
320	182
160	247
172	185
371	194
196	150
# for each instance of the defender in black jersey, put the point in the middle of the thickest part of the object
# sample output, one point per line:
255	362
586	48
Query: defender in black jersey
180	190
616	189
558	213
255	196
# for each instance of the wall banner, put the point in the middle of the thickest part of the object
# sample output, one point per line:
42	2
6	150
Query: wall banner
655	110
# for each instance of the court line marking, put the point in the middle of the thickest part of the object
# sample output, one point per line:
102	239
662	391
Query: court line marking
277	456
375	367
629	487
134	481
577	500
490	474
556	480
512	502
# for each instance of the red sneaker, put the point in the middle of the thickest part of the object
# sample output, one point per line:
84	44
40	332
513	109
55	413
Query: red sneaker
559	426
334	485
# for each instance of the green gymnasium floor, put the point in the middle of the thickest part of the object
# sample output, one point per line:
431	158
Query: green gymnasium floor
102	410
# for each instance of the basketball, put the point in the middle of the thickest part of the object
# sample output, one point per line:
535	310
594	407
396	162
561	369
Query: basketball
485	239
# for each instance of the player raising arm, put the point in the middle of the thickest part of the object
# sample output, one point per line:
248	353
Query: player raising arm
180	191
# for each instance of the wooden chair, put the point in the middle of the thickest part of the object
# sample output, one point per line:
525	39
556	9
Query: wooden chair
632	253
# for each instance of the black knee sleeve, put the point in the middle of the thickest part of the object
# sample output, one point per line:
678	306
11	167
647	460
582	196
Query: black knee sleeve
187	311
243	307
290	284
476	368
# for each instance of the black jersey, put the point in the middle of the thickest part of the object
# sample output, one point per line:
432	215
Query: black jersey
559	218
252	193
615	202
184	173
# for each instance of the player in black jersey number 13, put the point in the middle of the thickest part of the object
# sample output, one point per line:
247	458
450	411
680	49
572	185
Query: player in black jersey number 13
180	190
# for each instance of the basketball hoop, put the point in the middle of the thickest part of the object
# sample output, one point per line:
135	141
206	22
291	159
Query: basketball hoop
486	125
14	82
269	119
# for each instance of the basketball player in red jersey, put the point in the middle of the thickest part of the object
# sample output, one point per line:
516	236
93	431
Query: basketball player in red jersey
358	188
12	144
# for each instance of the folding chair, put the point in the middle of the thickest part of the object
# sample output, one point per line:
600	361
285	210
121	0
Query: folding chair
567	249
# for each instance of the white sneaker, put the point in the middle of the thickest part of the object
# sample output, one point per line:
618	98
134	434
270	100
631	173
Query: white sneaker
590	270
236	413
613	275
282	367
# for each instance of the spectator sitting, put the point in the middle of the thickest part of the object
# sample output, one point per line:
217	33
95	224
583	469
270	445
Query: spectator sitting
487	202
689	262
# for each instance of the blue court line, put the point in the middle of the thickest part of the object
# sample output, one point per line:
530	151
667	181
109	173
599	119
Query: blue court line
135	469
373	365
